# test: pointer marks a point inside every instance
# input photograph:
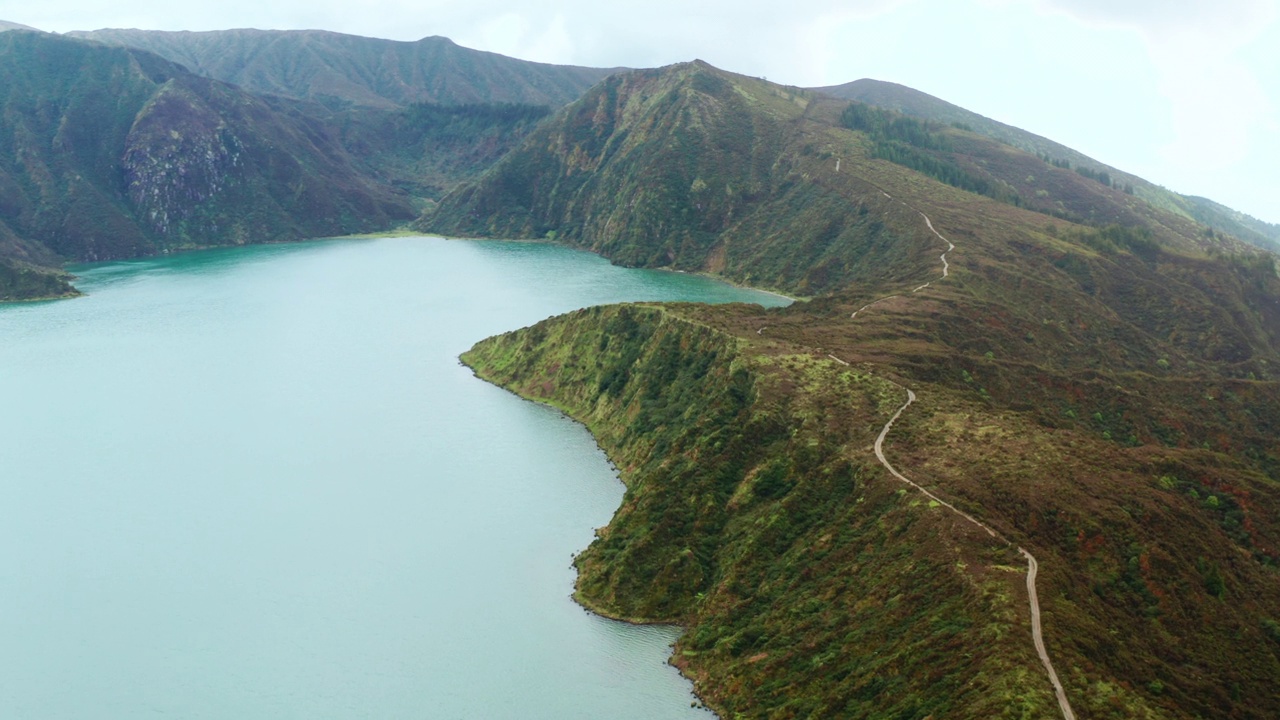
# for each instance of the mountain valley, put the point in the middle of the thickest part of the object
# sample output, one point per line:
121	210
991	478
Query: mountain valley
1094	359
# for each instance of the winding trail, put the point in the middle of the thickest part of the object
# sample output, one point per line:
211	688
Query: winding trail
946	267
1033	567
911	397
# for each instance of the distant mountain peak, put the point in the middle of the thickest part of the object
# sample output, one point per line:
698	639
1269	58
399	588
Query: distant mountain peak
332	67
6	25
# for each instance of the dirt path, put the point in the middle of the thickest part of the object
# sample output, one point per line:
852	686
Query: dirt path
911	397
1033	567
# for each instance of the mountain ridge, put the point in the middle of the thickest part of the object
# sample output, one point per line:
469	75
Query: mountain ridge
894	96
338	68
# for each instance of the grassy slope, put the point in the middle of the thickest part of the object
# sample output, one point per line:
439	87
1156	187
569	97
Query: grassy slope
346	69
107	152
913	102
753	514
1107	398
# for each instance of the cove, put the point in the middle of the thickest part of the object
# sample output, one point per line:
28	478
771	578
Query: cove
257	483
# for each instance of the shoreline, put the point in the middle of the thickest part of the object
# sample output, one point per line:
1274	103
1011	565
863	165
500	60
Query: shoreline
744	286
560	243
598	611
403	231
575	596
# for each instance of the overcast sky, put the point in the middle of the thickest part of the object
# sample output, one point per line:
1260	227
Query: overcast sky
1185	93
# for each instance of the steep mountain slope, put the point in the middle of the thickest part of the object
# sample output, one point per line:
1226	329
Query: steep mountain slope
109	152
900	98
698	169
1096	380
427	150
337	69
687	167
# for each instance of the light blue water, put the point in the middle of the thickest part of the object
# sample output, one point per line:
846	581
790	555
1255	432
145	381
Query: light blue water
256	483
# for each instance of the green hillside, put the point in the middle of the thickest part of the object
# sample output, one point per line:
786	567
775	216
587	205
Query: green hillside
698	169
695	169
1096	381
900	98
110	153
339	69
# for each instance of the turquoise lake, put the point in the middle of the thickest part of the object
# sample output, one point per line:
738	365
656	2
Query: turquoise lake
257	483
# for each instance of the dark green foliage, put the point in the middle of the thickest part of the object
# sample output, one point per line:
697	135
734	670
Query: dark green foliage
898	98
1117	238
26	283
684	167
1272	630
466	121
1061	370
1101	176
892	127
884	126
745	519
1056	162
920	145
947	171
1250	229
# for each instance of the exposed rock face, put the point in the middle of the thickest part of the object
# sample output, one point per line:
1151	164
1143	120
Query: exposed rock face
107	152
171	172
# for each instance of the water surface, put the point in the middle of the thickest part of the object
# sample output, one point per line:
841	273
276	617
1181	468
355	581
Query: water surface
256	483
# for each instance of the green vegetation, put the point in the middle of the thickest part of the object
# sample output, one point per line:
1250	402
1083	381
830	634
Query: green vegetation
1062	369
908	142
1097	375
691	168
25	283
426	149
108	153
891	96
750	517
885	126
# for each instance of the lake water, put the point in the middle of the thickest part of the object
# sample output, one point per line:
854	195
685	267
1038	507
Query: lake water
257	483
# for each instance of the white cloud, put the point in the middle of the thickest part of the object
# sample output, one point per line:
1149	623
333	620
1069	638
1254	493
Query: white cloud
1221	112
1225	20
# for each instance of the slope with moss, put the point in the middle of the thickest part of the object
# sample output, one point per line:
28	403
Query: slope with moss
428	149
812	584
693	168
